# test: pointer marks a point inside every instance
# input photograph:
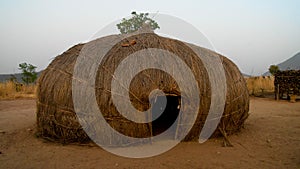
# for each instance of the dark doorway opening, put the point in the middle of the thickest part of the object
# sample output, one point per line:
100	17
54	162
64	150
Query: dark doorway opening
169	115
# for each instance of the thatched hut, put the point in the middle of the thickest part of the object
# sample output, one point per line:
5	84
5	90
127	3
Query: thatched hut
57	119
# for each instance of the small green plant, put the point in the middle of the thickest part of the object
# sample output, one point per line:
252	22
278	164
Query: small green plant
135	22
29	75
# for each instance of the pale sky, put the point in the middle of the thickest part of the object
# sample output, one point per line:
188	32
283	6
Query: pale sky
253	34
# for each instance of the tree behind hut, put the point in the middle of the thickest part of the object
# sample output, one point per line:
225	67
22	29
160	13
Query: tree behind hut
135	22
29	75
273	69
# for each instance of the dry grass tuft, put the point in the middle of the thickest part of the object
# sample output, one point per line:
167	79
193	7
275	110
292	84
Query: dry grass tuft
11	90
260	86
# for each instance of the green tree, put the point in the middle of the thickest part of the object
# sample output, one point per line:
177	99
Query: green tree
29	75
135	22
273	69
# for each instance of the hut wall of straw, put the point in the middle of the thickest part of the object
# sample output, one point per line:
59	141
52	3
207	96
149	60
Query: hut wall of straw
56	118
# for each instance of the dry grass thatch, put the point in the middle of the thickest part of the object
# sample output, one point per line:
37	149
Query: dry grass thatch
55	111
12	90
258	86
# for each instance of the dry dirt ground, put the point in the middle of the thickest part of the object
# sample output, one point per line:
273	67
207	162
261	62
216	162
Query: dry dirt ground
271	139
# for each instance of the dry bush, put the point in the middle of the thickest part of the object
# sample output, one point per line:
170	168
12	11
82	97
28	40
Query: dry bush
13	90
261	85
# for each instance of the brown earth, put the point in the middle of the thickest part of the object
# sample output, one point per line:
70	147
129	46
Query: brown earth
270	139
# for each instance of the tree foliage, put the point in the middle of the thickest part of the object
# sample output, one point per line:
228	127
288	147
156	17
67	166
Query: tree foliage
273	69
29	75
135	22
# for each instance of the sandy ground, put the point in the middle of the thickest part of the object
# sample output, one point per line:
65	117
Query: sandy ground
271	139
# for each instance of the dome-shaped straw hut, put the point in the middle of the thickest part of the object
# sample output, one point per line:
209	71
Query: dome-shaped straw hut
56	117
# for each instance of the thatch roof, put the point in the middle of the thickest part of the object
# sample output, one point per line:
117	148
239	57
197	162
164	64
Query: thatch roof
57	119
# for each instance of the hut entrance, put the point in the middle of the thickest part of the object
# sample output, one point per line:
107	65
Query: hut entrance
167	117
